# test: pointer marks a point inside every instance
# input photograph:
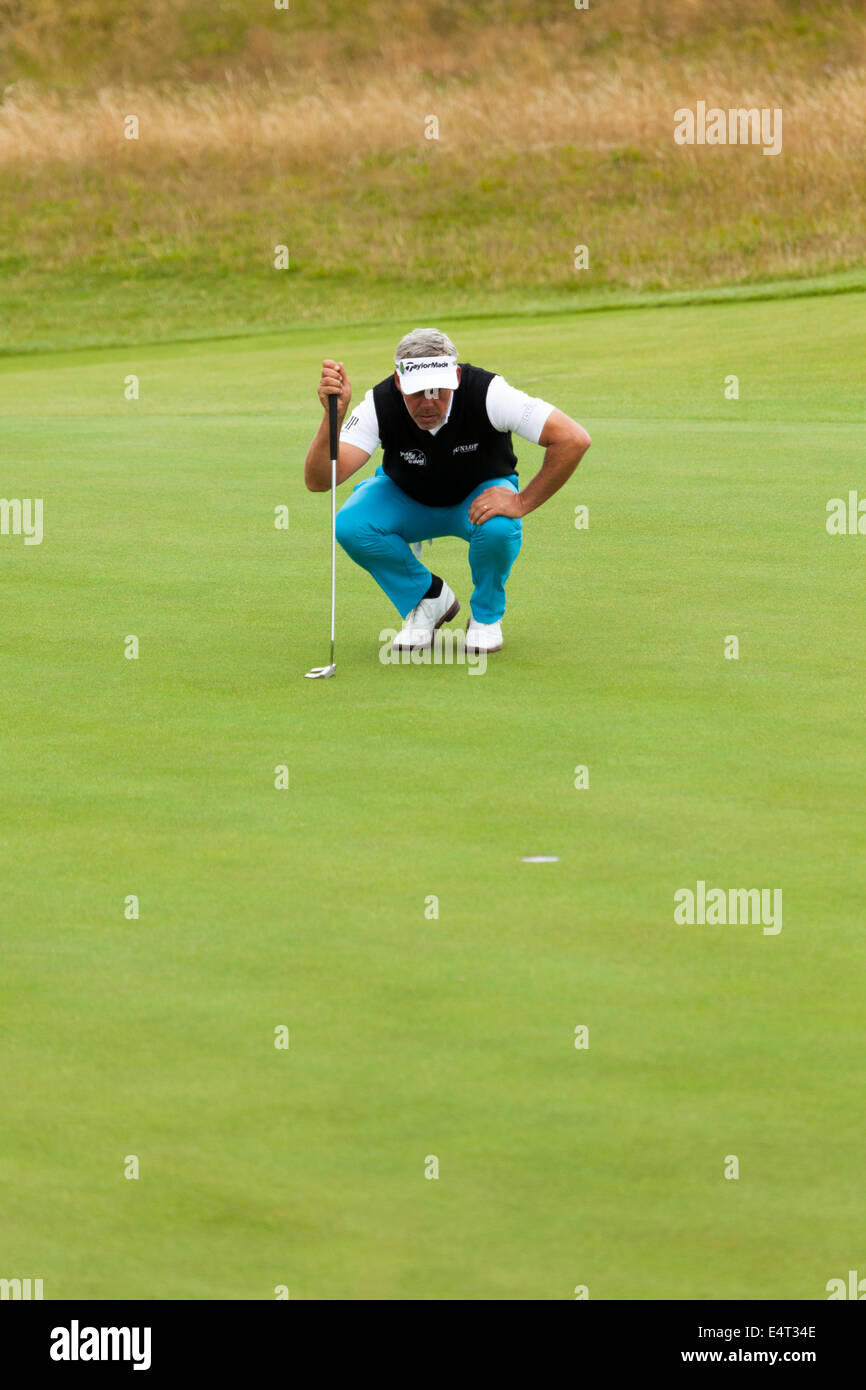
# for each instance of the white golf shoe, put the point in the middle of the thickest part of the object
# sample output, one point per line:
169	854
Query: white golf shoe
483	637
428	615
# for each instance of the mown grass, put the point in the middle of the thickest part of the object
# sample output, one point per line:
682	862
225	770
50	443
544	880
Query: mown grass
305	907
555	130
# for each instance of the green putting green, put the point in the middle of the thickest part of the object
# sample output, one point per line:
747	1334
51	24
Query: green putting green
414	1036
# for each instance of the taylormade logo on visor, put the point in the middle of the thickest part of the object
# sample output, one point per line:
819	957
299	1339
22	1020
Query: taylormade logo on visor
426	364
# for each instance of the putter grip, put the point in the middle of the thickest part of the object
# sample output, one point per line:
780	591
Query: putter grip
332	425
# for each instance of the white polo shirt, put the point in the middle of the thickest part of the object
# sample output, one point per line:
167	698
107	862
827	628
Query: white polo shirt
507	409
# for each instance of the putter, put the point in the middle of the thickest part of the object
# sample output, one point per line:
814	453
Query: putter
323	672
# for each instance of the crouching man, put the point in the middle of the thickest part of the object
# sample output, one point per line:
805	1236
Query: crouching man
448	469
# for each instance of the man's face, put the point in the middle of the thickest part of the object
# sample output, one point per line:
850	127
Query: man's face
427	408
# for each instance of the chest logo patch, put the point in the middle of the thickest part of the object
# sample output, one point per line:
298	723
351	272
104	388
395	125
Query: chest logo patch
414	456
464	448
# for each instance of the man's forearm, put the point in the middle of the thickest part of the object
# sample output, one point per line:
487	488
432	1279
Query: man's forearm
317	465
560	460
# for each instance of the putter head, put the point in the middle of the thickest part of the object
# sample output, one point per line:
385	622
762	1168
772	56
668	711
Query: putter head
321	672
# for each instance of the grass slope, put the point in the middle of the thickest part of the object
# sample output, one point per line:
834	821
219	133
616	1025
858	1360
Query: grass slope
313	130
453	1037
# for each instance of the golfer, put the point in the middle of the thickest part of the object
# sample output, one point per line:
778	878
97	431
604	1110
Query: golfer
448	469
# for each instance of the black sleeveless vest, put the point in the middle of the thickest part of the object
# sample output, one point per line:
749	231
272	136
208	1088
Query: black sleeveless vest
441	469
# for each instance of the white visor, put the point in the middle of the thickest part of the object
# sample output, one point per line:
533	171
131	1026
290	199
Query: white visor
425	373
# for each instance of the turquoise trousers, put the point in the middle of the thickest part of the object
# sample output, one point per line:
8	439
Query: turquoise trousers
379	522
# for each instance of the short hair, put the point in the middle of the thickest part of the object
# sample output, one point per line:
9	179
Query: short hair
424	342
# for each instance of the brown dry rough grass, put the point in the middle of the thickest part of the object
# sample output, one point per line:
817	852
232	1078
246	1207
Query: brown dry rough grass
554	129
